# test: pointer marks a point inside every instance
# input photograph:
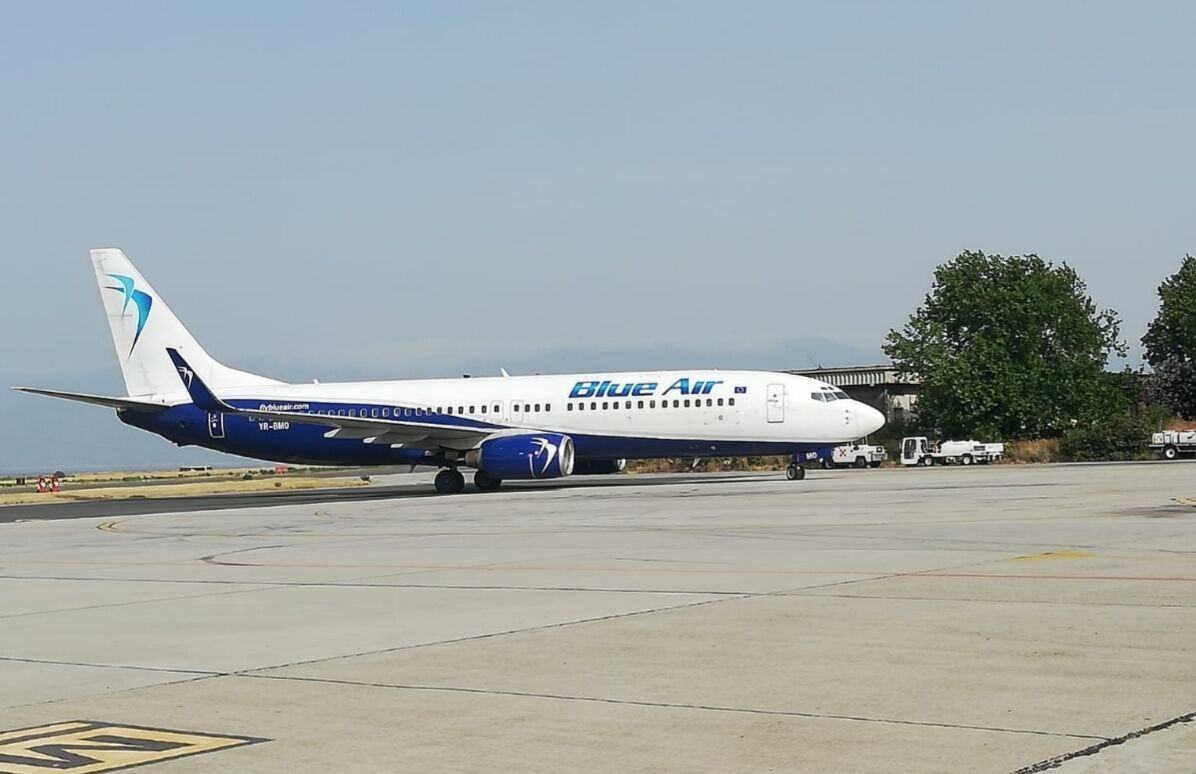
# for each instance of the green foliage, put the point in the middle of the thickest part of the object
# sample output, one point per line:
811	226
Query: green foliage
1119	437
1172	334
1173	384
1009	347
1170	341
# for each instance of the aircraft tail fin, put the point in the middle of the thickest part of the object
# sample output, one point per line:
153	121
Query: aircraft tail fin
143	327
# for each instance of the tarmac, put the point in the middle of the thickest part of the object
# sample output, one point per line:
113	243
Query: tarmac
983	619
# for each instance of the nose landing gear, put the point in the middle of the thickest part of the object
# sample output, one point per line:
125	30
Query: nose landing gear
795	471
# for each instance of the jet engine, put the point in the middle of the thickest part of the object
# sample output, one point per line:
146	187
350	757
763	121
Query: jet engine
521	457
598	467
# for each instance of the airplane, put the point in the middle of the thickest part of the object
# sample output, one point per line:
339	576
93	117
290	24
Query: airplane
506	428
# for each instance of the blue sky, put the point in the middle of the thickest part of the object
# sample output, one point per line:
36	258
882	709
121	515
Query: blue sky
388	190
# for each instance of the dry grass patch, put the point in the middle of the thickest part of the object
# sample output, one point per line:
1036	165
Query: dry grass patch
1035	451
190	489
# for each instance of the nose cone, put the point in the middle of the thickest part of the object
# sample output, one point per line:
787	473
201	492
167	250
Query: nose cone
870	420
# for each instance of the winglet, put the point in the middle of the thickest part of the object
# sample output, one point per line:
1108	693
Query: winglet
201	396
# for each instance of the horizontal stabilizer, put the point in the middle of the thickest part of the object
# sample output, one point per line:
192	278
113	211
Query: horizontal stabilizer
123	404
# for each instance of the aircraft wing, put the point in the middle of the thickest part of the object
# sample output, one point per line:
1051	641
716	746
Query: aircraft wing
389	431
123	404
420	435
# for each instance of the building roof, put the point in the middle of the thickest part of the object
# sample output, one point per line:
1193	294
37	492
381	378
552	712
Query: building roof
854	376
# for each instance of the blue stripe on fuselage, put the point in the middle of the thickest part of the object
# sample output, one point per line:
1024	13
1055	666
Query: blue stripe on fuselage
301	443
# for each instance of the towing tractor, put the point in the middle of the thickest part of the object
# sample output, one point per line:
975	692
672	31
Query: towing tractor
856	455
919	450
1170	444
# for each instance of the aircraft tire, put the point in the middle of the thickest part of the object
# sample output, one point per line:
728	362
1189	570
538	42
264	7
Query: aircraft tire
449	481
485	482
795	473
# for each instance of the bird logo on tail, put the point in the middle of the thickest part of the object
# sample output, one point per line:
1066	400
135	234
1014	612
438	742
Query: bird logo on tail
141	300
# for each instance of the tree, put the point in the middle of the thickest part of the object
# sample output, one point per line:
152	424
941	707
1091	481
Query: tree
1170	341
1009	347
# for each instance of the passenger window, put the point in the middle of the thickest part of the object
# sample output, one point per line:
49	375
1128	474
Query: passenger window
605	405
687	403
709	402
449	411
568	407
651	404
720	401
547	407
640	404
593	405
471	410
460	409
483	409
340	413
374	413
677	403
730	401
385	412
352	412
581	407
628	404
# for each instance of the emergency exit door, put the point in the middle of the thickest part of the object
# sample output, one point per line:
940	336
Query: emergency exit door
776	403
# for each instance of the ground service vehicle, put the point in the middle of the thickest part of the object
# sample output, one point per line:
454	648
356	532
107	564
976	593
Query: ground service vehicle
857	455
1170	444
919	450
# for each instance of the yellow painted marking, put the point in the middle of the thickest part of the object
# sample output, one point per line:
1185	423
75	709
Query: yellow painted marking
1065	554
108	526
1186	501
88	746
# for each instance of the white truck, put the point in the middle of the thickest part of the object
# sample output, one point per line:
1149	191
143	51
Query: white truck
857	455
920	450
1172	443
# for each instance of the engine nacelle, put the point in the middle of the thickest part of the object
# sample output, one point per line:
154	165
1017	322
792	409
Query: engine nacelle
521	457
598	467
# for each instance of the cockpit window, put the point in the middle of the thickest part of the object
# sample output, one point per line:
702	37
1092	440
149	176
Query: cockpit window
817	396
841	395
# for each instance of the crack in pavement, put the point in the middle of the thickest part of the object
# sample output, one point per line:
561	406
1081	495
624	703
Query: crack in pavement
1059	760
667	705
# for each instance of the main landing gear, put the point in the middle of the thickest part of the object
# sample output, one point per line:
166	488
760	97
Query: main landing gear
486	482
450	481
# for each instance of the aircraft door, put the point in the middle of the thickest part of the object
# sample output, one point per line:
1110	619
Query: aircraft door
496	410
517	410
216	425
776	403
